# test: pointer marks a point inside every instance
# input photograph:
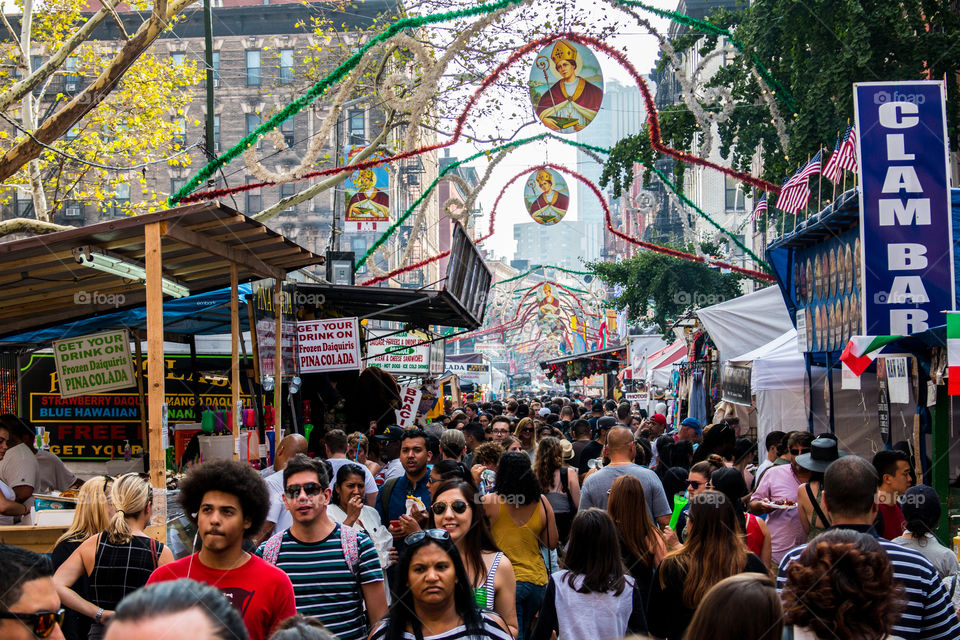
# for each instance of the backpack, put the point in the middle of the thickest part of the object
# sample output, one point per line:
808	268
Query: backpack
348	544
385	492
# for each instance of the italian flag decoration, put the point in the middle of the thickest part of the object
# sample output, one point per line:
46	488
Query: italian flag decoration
953	353
862	350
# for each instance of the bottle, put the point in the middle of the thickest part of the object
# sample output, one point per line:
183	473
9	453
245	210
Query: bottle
127	453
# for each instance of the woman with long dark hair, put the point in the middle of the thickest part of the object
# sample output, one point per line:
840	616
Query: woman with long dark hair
642	545
593	581
560	483
347	507
521	520
714	550
741	607
729	481
435	599
456	510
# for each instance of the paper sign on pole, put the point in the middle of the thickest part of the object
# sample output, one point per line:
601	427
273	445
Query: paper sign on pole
898	381
94	363
329	345
409	401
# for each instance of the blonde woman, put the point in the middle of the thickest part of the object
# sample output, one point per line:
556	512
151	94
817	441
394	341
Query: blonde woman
358	450
93	514
117	561
526	432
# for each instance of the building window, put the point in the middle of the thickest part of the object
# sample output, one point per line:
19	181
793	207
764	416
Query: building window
252	122
288	130
358	130
254	198
176	184
734	196
73	132
288	189
216	68
71	81
178	59
24	202
216	133
121	197
72	210
359	247
286	66
179	132
253	67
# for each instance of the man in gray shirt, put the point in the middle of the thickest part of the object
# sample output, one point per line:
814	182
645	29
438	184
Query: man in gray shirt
621	450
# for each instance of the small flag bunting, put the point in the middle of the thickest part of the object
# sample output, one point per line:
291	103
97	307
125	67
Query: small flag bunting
953	353
861	351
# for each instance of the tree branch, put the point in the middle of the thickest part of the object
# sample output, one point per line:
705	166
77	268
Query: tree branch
58	124
27	225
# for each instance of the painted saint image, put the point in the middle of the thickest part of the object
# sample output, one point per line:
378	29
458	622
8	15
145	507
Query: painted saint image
857	264
809	325
818	276
808	277
546	196
367	200
549	309
566	86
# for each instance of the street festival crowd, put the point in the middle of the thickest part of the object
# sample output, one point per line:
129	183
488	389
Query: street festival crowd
568	517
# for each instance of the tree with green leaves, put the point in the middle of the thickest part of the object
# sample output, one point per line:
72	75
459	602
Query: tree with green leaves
658	289
816	50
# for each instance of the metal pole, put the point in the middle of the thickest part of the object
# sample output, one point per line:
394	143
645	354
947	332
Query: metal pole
337	190
208	59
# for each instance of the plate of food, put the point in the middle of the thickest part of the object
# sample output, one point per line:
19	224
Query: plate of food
780	504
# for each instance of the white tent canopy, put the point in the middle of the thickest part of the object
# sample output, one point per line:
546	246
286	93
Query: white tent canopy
658	364
746	323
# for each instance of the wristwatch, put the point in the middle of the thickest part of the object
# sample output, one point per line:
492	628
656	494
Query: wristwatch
99	615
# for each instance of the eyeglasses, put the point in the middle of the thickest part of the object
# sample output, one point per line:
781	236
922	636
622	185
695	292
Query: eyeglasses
797	452
310	488
695	484
43	622
502	432
458	506
526	430
434	534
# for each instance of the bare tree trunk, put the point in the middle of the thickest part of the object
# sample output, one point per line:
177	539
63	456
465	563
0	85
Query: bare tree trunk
28	115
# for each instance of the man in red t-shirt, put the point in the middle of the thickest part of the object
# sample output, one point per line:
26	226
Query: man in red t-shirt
893	469
228	499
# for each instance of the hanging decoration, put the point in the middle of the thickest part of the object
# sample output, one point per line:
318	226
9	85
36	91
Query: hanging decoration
585	367
566	86
367	206
549	308
546	196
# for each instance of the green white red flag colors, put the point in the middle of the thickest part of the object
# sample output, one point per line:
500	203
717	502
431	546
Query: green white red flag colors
861	351
953	353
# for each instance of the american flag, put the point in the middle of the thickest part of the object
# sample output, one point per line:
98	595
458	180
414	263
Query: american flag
844	157
760	208
796	192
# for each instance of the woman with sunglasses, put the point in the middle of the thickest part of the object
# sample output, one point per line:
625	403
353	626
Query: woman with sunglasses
117	561
521	520
526	432
488	569
446	470
436	600
698	481
347	507
93	514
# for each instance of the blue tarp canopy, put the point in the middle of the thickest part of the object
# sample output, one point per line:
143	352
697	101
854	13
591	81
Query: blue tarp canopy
201	314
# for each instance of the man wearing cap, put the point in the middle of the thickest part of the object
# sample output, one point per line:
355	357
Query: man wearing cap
823	451
390	453
776	495
594	448
921	508
690	430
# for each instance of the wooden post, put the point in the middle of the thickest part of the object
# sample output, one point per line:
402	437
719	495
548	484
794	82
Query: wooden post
940	471
278	359
234	358
155	376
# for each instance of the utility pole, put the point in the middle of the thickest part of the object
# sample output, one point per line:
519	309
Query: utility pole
208	60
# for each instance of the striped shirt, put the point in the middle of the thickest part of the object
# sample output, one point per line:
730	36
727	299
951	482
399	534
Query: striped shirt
928	615
324	586
491	631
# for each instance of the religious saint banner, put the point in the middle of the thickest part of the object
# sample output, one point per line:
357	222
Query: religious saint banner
367	208
549	308
546	196
566	86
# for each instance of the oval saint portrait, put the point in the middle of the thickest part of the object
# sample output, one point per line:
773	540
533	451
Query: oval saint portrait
820	332
818	278
809	325
837	325
848	268
546	196
808	278
833	272
857	265
566	86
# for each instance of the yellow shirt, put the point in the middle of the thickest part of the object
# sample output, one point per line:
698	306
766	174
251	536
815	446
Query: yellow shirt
521	544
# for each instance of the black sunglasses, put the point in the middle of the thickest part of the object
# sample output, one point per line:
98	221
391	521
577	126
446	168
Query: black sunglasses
107	479
43	622
526	430
695	484
797	452
310	488
434	534
458	506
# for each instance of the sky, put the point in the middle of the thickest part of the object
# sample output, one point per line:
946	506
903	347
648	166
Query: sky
641	49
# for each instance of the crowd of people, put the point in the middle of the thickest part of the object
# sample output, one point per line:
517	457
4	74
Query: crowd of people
573	518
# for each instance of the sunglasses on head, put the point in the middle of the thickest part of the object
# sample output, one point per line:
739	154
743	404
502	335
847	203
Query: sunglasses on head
310	488
434	534
458	506
42	623
797	452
